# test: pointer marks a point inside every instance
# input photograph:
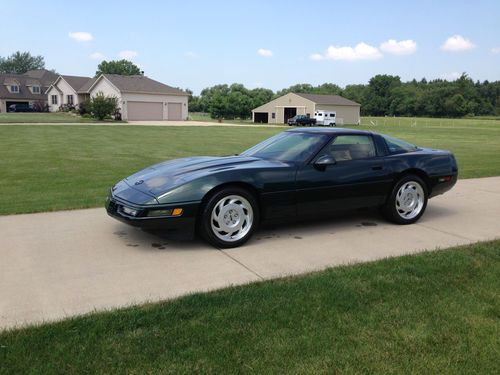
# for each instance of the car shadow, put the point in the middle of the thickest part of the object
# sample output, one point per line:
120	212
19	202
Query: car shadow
311	226
135	238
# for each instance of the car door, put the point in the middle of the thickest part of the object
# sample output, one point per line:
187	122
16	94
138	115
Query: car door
358	177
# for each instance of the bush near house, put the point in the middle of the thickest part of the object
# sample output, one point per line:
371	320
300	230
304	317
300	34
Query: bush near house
84	108
102	106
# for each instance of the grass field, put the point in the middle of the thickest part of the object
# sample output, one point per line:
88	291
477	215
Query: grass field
432	313
205	117
57	117
47	168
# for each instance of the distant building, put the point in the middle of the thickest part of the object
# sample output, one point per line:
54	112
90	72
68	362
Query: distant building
139	97
25	89
279	110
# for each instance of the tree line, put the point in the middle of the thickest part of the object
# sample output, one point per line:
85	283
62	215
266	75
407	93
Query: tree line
384	95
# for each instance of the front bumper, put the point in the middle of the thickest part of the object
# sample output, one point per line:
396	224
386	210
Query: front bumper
178	227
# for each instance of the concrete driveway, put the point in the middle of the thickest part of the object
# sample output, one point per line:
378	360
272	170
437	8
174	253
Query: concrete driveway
60	264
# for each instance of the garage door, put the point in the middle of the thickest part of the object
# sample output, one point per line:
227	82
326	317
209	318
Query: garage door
261	117
145	111
174	111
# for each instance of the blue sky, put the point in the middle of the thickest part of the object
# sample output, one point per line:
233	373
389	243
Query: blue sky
273	44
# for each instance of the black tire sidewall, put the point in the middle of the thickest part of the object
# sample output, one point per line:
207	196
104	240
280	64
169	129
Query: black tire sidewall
389	210
206	213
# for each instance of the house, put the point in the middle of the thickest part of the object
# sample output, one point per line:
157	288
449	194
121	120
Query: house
279	110
25	89
139	97
67	91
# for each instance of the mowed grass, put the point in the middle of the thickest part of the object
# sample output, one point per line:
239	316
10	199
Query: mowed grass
47	168
56	117
432	313
205	117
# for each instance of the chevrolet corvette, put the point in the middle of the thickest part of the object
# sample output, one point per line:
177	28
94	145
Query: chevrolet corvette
297	174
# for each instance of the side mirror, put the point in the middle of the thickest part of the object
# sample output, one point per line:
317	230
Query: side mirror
324	161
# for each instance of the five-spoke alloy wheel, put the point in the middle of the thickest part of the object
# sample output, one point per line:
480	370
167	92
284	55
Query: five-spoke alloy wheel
229	217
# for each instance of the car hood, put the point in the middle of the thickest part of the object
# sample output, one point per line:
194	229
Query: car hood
162	177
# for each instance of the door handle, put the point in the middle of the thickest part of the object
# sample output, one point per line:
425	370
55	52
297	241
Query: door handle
377	167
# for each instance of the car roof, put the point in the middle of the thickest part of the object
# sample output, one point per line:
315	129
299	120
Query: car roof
324	130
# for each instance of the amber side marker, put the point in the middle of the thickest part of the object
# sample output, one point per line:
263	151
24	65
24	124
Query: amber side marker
177	212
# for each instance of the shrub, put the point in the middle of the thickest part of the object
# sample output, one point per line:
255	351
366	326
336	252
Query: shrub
84	108
102	106
66	108
40	106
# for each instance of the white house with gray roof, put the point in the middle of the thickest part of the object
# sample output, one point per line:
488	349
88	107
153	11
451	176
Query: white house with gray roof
66	91
139	98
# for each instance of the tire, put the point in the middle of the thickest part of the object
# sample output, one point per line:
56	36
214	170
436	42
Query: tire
407	201
231	208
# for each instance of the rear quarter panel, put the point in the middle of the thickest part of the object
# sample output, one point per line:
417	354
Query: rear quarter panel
434	163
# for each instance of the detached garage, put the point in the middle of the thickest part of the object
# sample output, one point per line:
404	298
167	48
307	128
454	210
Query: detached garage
141	98
279	110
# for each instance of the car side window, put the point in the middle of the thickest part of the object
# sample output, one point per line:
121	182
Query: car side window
397	146
350	147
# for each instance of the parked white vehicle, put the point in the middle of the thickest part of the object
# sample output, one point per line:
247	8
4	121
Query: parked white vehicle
325	118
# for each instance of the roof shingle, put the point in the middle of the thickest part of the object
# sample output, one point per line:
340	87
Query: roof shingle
142	84
76	82
24	80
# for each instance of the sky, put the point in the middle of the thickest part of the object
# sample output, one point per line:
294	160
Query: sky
272	44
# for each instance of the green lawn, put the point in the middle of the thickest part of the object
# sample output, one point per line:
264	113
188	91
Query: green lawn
47	168
205	117
432	313
56	117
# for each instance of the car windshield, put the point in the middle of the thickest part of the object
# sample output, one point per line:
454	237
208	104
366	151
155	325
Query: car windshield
397	146
288	146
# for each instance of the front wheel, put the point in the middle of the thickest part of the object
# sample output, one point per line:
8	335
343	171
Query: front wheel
407	201
229	218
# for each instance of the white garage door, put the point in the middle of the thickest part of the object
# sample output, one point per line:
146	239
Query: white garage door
144	111
175	111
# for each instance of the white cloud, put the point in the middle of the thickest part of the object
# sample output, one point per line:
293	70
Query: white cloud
127	54
457	43
316	57
80	36
361	51
265	52
495	50
451	76
97	56
403	47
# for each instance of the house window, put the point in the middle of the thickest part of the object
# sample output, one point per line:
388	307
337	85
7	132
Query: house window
273	115
36	89
54	99
70	99
14	88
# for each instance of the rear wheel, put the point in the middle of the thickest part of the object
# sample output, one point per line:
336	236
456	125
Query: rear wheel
229	218
407	201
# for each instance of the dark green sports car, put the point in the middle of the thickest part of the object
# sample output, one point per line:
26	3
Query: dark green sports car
300	173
